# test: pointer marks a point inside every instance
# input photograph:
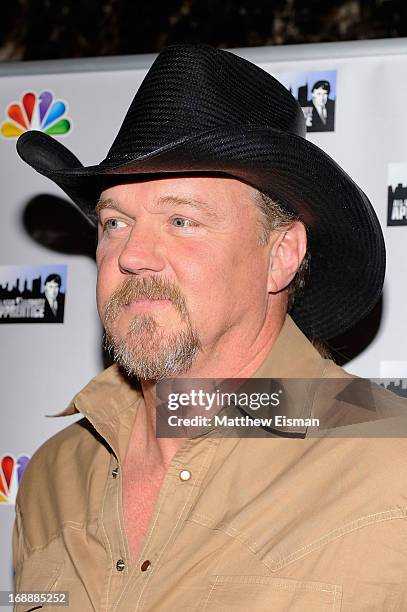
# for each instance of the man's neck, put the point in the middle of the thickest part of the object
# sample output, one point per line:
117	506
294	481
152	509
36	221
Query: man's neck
235	357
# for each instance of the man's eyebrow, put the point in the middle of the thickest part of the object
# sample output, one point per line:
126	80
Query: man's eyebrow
164	201
106	203
191	202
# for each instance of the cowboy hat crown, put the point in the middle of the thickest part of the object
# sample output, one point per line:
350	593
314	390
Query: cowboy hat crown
191	90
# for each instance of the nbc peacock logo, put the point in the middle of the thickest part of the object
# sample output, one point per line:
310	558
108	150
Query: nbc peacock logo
11	471
36	112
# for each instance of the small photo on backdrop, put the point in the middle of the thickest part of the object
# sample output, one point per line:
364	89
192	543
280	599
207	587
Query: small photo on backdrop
397	194
32	294
316	94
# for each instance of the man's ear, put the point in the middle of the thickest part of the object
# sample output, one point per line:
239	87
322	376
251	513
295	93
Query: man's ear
288	248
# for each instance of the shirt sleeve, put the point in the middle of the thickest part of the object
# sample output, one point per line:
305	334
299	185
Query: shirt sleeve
18	546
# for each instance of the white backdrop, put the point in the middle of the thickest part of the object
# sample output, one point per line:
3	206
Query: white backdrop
43	366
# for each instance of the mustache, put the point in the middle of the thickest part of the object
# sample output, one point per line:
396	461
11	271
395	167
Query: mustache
148	287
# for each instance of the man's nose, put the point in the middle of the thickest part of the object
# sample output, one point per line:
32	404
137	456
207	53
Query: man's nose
142	251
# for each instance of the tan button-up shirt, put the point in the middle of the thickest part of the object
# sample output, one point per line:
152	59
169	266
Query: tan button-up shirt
272	524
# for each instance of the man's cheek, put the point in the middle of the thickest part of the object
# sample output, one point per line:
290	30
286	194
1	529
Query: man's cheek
101	252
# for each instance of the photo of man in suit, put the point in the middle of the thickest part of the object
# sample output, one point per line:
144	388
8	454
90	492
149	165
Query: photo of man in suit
54	299
323	108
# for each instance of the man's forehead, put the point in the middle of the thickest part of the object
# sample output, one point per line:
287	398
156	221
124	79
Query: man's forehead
202	193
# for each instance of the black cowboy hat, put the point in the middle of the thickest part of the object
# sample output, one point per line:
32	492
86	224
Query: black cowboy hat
200	109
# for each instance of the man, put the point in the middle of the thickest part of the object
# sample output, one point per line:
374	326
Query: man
323	108
203	206
54	300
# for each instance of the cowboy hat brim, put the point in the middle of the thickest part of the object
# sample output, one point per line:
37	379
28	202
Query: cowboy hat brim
343	230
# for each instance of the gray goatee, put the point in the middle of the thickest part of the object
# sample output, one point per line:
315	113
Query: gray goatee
146	351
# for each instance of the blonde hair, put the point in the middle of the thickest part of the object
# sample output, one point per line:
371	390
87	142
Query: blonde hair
273	217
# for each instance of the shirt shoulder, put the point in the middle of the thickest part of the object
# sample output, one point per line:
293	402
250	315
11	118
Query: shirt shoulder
363	406
63	482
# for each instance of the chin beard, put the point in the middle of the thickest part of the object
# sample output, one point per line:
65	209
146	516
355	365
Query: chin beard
145	350
148	353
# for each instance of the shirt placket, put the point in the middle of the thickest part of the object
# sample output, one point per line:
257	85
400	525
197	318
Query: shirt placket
112	528
179	490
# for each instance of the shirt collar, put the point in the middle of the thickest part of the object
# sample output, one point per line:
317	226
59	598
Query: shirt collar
292	356
110	399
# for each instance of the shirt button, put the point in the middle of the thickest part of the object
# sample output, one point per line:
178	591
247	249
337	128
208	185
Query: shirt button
145	565
115	472
185	474
120	565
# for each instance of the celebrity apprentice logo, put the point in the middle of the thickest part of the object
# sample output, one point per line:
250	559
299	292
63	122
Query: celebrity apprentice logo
316	94
397	194
32	294
36	112
11	471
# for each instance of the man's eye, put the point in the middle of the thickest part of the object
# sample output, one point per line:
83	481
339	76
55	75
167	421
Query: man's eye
181	222
112	224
